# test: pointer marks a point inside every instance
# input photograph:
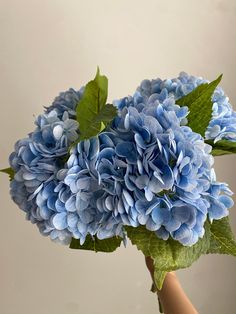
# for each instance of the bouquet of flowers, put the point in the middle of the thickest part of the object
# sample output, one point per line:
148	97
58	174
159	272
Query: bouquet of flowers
93	174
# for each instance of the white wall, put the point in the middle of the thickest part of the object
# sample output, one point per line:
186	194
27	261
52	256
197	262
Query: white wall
49	46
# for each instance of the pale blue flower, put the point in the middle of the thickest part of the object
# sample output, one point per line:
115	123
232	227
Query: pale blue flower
36	162
146	168
66	101
223	121
176	199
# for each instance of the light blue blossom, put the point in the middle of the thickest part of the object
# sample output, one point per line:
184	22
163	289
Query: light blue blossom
37	159
223	121
66	101
146	168
175	184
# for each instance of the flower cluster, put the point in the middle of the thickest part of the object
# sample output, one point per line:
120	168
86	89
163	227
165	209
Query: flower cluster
37	159
146	168
66	101
223	122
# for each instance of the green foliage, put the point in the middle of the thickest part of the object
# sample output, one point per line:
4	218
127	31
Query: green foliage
200	106
167	255
171	255
159	277
9	171
96	245
93	114
223	147
222	240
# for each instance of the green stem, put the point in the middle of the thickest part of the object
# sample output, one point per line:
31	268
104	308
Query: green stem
154	290
160	306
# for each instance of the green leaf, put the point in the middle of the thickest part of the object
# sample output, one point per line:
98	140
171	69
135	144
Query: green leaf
222	240
223	147
92	112
168	255
96	245
9	171
200	106
159	277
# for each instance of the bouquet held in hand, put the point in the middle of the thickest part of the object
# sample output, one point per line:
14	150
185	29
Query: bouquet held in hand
92	174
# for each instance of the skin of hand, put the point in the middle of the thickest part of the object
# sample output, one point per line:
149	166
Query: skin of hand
172	297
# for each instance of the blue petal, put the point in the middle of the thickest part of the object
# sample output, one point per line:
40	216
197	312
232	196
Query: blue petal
182	232
120	207
143	219
70	204
82	228
172	225
181	213
155	185
60	206
141	206
142	181
129	184
51	202
86	217
60	221
107	153
148	194
94	147
162	233
127	150
128	198
81	203
72	220
217	210
45	212
139	140
226	200
152	226
160	215
109	202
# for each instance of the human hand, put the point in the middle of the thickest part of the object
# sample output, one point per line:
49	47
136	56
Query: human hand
172	299
150	266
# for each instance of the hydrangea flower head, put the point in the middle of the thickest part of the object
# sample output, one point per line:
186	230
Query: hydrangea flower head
147	168
223	121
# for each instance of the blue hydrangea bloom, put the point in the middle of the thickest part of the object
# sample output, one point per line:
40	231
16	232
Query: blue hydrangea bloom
66	101
163	156
37	159
223	122
146	168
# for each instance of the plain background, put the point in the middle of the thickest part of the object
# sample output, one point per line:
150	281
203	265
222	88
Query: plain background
47	47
